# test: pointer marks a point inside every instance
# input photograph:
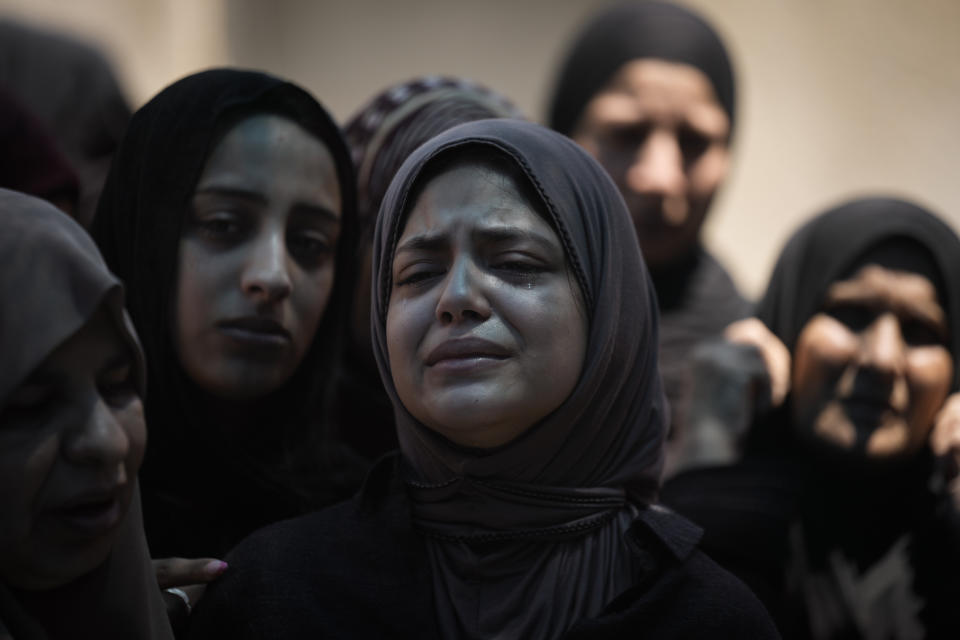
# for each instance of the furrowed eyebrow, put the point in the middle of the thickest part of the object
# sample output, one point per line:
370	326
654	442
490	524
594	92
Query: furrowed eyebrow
424	242
510	234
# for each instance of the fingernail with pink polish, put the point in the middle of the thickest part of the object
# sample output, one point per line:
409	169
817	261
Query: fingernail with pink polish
215	567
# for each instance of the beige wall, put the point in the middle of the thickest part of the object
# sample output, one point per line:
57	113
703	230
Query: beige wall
836	96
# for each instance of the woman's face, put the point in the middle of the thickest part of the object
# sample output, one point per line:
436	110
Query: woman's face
659	131
485	328
72	437
871	370
257	257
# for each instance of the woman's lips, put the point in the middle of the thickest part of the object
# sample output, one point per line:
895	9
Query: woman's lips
465	355
255	331
92	514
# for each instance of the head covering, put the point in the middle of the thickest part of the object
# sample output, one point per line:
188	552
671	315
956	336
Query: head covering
30	160
395	122
381	135
632	31
70	87
575	475
831	245
138	226
52	283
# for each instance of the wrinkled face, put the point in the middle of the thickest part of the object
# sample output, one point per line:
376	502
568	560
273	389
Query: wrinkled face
257	258
871	370
72	437
659	131
485	331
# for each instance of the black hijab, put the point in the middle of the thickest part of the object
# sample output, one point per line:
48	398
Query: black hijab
203	492
632	31
527	538
52	283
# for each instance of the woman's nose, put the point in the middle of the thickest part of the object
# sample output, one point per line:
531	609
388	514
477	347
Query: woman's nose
266	276
98	440
883	348
658	168
462	296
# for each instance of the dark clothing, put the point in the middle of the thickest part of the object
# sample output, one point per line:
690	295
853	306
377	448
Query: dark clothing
359	570
631	31
70	87
698	299
30	160
807	541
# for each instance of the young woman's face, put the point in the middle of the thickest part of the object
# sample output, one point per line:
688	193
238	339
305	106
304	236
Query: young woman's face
662	135
72	437
871	370
257	257
485	329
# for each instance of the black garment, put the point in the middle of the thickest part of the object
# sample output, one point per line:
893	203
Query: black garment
631	31
208	483
360	570
71	88
834	546
698	299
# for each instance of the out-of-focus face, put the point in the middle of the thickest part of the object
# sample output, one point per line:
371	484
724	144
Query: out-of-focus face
871	370
257	258
659	131
485	331
72	437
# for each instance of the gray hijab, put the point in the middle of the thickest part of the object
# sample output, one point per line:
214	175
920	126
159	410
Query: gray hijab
528	538
52	282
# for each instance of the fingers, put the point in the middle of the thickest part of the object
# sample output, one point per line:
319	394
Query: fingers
180	572
776	357
945	437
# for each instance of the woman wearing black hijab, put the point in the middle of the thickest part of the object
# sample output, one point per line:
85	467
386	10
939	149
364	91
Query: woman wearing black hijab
73	557
515	331
229	214
648	89
837	514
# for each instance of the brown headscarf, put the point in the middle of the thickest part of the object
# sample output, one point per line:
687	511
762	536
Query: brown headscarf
527	538
52	283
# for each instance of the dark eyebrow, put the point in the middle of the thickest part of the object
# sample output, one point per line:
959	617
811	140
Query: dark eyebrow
496	235
317	211
232	192
430	242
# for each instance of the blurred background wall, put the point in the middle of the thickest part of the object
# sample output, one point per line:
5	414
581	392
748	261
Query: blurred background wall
837	97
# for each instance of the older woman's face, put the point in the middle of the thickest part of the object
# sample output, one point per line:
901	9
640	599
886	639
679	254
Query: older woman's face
257	258
485	329
72	438
660	132
871	370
